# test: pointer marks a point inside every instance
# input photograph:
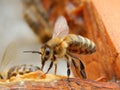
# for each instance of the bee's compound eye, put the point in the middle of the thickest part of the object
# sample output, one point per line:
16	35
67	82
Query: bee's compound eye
47	51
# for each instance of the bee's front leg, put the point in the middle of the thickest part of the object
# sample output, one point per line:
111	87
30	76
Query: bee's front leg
43	64
50	66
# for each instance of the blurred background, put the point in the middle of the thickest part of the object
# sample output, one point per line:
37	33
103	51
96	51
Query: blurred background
16	36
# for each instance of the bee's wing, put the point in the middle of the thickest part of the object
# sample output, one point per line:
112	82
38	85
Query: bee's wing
8	56
61	28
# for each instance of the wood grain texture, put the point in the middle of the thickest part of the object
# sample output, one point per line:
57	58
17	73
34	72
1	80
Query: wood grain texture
63	84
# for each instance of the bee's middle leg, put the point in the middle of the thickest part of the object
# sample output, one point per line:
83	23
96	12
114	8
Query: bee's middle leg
55	64
68	69
82	70
55	71
68	66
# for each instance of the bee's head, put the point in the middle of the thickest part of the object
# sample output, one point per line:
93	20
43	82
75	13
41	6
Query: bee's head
47	53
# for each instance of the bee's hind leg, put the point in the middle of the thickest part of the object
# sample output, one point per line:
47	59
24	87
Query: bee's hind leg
77	70
82	68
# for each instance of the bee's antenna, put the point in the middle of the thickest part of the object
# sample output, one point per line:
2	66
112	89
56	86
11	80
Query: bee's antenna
32	52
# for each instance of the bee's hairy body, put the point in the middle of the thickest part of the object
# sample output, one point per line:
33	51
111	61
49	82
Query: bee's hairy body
71	43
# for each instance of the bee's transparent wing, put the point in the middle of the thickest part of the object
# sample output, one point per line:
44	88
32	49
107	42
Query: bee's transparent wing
61	28
8	56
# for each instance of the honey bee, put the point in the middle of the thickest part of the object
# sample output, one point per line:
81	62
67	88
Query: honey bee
21	70
14	70
65	45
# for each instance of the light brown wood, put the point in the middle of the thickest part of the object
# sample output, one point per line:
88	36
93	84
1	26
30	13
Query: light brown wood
109	11
109	14
34	81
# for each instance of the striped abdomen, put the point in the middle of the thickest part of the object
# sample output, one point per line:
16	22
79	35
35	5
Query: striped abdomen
21	69
79	44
